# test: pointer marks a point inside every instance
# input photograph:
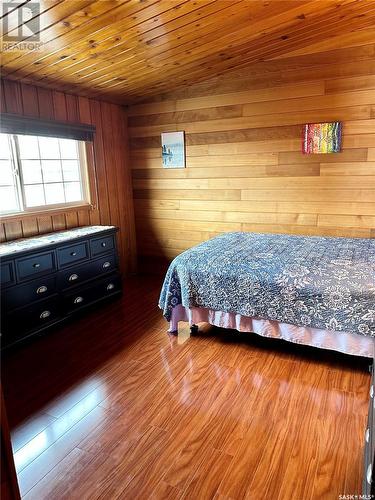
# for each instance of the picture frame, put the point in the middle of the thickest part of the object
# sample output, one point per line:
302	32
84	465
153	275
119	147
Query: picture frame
173	149
322	138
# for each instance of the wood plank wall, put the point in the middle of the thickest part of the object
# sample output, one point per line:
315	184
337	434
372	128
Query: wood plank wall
245	170
113	179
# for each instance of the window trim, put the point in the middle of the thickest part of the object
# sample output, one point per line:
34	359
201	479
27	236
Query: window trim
19	216
88	185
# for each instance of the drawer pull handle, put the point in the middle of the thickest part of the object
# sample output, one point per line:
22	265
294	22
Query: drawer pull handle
372	391
42	289
111	286
104	244
73	254
367	435
73	277
45	314
36	265
78	300
368	473
106	265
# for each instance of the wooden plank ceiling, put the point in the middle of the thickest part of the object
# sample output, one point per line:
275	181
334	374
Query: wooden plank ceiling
129	50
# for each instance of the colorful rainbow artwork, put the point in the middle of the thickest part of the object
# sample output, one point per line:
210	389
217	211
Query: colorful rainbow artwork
322	138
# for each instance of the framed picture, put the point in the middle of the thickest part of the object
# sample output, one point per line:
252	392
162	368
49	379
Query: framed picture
173	149
322	138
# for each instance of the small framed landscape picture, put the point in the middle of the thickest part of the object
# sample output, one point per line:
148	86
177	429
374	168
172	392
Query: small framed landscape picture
173	149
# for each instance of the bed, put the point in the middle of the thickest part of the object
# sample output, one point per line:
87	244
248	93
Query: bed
317	291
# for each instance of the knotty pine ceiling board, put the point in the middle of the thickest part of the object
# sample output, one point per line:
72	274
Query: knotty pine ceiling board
130	50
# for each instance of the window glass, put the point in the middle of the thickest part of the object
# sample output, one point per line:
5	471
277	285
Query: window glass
9	201
4	147
8	197
54	193
72	191
68	148
32	172
71	170
51	171
6	173
34	195
40	172
28	147
49	148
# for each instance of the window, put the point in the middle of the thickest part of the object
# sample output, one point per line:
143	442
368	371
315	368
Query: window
39	173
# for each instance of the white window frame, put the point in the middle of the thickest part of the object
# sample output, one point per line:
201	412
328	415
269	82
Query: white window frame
19	184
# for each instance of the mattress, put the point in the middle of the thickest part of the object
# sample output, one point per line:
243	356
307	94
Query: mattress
314	282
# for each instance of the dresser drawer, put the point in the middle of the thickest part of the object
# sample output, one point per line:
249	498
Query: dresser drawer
7	274
109	286
93	269
101	245
22	295
66	256
38	264
32	317
84	296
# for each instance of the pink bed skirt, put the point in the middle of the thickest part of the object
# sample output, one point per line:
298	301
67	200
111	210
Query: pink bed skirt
348	343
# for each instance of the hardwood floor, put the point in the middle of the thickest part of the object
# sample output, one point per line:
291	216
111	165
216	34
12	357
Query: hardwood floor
112	407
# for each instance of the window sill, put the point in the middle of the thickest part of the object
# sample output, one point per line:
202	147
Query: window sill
46	212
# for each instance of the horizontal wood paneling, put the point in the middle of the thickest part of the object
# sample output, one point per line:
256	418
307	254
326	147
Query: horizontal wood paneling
111	172
245	170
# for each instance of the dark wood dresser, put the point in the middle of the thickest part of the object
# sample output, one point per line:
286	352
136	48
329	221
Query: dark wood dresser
47	279
368	488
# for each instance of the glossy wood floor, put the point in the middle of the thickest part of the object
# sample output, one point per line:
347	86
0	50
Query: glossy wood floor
112	407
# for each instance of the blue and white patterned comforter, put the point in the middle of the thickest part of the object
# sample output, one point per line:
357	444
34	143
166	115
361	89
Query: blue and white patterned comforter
320	282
